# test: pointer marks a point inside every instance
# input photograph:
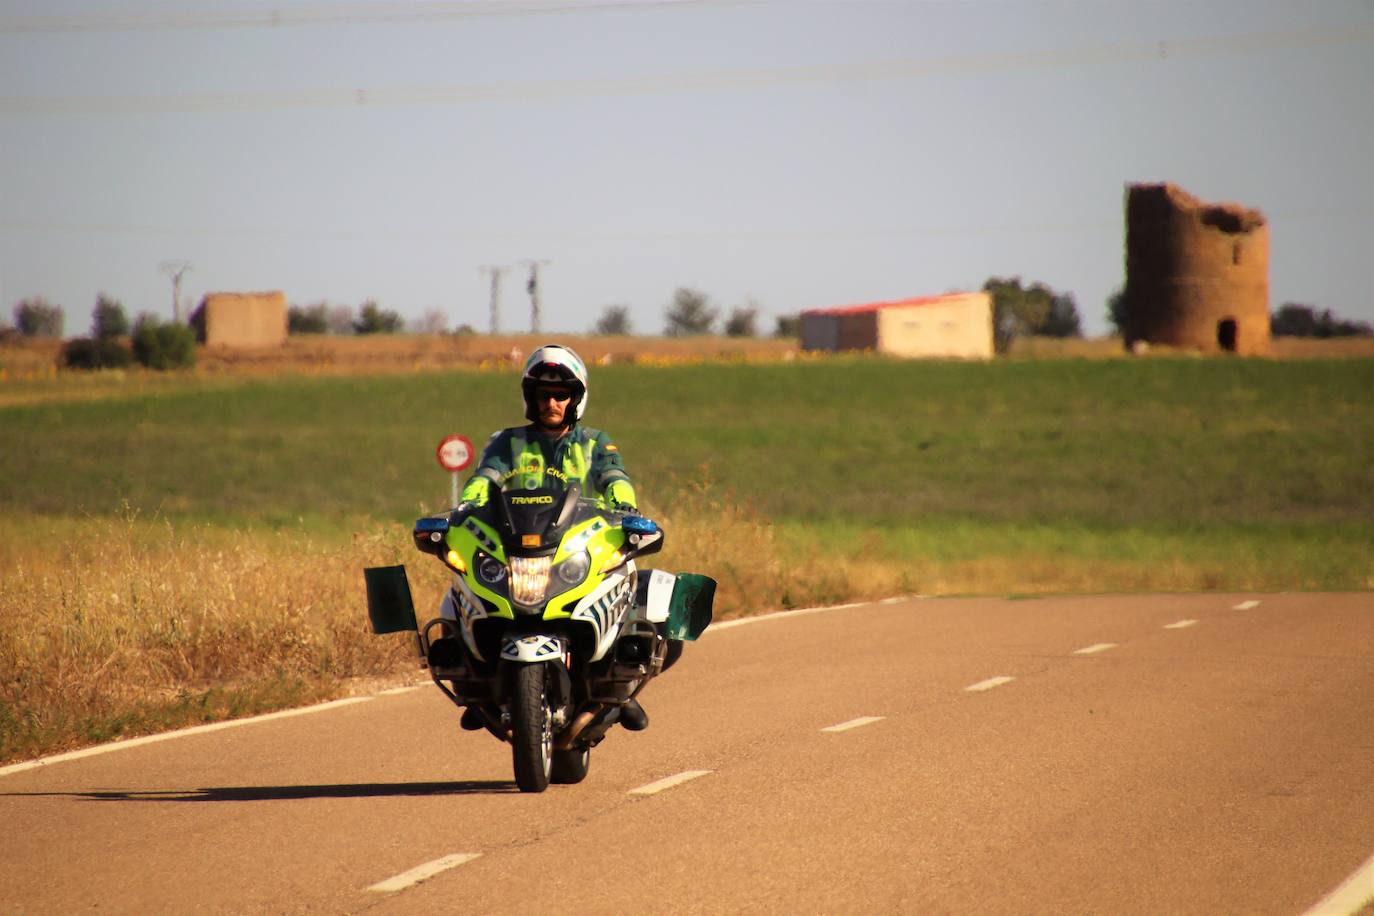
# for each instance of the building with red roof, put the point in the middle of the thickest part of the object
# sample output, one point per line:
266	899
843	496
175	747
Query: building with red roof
956	325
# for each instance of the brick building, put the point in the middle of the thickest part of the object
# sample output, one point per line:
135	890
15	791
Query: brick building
1197	274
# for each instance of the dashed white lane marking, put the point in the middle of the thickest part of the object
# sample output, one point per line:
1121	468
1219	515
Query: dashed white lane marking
1095	648
989	684
392	691
1245	605
1179	624
422	872
1350	897
180	733
668	782
853	723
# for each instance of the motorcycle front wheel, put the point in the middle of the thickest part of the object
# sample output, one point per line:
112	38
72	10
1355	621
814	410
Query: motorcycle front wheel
531	722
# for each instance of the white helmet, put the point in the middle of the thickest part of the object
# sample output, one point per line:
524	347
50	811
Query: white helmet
554	363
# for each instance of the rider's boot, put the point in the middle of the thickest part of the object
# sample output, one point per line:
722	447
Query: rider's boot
473	720
633	716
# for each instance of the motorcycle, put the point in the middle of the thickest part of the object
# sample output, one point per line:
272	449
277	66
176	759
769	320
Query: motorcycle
549	629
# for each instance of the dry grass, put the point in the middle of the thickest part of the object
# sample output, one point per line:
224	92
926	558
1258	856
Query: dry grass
115	627
122	627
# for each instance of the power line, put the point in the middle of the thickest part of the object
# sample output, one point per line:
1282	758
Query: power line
550	236
304	15
1086	55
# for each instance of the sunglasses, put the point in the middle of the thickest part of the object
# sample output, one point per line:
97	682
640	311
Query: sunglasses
552	394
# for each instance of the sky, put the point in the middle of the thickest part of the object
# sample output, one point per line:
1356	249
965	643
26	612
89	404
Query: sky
781	155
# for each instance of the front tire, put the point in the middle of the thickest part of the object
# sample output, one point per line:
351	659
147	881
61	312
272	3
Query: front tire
570	767
531	723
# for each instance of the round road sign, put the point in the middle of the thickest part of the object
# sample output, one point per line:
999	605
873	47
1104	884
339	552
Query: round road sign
454	452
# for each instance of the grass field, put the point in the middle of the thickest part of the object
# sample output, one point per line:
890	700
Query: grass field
190	548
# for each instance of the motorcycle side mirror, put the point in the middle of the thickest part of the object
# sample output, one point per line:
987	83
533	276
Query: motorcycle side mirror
430	535
642	535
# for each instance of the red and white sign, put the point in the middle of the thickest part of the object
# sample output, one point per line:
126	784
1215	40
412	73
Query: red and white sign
454	452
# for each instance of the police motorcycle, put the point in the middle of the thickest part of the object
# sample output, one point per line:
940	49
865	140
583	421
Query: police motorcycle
549	628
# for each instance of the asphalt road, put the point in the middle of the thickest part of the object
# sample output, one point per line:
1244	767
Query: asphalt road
1218	766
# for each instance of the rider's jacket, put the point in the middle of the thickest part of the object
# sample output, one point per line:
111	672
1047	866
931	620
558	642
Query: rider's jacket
526	458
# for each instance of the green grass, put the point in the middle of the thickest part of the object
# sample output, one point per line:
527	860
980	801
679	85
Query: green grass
1172	444
192	551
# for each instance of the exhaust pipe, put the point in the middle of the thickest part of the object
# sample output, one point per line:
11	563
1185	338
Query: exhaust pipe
580	723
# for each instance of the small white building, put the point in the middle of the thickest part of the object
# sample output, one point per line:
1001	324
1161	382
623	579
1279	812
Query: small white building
957	325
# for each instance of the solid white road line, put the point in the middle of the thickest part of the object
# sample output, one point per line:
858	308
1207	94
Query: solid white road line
989	684
1095	648
1179	624
801	611
392	691
1245	605
180	733
1351	897
422	872
776	615
668	782
853	723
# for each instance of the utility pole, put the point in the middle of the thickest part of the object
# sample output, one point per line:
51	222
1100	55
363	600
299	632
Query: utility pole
533	287
175	269
496	274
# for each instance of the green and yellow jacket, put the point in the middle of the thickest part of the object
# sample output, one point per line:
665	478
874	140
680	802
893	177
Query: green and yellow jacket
527	458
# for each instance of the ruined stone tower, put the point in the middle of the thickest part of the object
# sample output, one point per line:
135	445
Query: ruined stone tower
1197	274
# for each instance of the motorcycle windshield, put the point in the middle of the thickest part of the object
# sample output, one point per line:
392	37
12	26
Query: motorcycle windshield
532	522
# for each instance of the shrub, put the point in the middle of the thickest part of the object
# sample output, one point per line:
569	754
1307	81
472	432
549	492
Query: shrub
108	320
308	319
1296	320
690	313
615	319
163	346
96	353
743	322
37	317
373	319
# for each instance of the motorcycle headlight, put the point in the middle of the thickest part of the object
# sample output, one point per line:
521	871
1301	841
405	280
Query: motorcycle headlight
491	571
529	579
574	569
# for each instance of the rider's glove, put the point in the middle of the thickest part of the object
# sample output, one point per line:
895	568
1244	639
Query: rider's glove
477	491
621	495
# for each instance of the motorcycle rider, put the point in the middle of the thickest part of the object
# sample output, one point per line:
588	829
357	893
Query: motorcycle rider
553	451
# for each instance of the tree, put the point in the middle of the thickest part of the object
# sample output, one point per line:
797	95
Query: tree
743	321
690	313
1116	311
308	319
37	317
1033	309
1063	320
614	320
108	320
373	319
1295	320
163	346
788	326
